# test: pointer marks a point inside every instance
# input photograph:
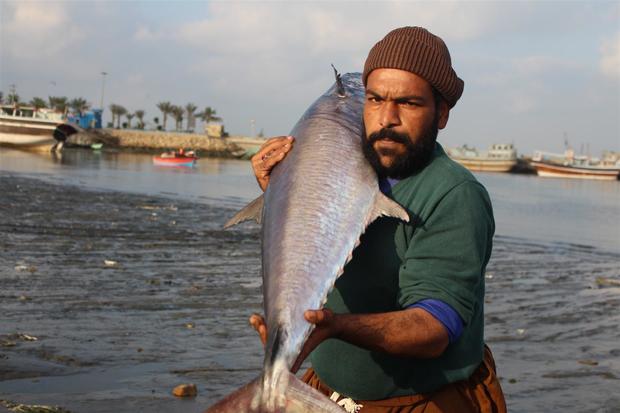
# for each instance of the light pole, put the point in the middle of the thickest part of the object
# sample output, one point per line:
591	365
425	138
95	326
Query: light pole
103	75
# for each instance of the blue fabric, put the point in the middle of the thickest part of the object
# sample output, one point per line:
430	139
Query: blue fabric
386	184
445	314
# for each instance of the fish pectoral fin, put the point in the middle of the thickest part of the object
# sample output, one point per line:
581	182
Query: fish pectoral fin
301	398
387	207
253	210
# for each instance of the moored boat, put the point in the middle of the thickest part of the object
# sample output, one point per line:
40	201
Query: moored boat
500	157
28	128
569	165
176	158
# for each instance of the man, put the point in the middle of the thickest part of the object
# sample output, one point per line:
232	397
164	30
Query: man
403	328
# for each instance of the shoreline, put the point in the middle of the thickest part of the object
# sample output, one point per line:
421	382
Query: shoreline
153	142
92	336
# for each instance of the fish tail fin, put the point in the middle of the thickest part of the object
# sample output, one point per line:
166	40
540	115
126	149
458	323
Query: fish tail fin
299	398
240	400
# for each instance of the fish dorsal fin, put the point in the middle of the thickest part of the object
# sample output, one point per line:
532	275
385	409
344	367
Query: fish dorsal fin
387	207
339	84
253	210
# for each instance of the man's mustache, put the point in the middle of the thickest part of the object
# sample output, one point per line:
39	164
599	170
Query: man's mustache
390	134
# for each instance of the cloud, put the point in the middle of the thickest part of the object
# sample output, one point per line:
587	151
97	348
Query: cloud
144	33
609	62
244	45
32	30
538	65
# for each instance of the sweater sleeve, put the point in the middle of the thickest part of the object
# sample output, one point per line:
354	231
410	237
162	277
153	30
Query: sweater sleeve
449	250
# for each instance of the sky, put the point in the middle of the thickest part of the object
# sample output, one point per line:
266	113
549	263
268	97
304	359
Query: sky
536	73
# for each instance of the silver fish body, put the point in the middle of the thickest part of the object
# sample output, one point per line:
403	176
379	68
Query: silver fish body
319	201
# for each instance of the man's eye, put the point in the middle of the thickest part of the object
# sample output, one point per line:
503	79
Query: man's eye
410	103
373	99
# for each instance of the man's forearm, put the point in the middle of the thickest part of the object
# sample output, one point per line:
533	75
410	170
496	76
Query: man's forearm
407	333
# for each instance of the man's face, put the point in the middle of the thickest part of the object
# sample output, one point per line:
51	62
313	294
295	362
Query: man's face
401	120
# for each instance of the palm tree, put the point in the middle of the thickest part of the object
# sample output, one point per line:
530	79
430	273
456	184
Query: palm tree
78	105
140	115
129	117
38	103
190	108
58	103
120	111
117	111
209	115
13	98
165	108
177	113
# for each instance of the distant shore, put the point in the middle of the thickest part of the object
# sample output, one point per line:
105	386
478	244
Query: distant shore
158	141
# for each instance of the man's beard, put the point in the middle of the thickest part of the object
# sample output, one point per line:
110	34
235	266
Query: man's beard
417	154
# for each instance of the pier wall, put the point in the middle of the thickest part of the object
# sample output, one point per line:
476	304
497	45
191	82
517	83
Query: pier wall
151	140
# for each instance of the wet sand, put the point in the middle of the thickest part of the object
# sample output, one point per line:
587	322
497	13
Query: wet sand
111	299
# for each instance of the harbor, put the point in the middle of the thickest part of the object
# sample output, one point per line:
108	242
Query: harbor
113	270
46	130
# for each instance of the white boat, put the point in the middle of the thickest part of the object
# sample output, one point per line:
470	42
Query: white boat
501	157
27	128
569	165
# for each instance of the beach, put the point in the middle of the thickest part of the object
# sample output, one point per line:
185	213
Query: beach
112	298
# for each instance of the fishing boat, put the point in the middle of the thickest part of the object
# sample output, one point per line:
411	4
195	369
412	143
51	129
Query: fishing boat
29	128
569	165
500	157
176	158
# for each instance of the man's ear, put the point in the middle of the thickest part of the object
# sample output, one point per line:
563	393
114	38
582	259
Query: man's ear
444	114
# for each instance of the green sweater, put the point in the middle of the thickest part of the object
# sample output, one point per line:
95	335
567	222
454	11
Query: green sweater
442	254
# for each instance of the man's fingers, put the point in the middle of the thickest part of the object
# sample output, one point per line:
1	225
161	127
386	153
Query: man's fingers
256	320
317	316
272	146
258	323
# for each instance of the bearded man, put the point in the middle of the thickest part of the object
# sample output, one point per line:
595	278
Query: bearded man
402	331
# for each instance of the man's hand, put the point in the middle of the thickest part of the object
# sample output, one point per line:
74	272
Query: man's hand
258	323
412	332
325	327
269	154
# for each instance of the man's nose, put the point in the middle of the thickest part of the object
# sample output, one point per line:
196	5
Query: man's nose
389	115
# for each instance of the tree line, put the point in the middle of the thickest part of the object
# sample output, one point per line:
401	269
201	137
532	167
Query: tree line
79	105
177	112
57	103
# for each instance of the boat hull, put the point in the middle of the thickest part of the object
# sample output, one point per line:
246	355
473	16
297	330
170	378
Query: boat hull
187	162
33	134
485	165
550	170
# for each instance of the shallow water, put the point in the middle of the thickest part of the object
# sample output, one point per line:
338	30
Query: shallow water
173	306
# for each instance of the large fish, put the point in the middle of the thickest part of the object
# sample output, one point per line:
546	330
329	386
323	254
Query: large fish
319	201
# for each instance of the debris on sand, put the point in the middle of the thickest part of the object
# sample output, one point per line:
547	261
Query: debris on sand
607	282
185	390
588	362
32	408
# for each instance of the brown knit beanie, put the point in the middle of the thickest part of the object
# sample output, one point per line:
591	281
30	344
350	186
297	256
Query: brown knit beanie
417	50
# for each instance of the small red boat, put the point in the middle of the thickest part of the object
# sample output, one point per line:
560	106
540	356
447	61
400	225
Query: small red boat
176	158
